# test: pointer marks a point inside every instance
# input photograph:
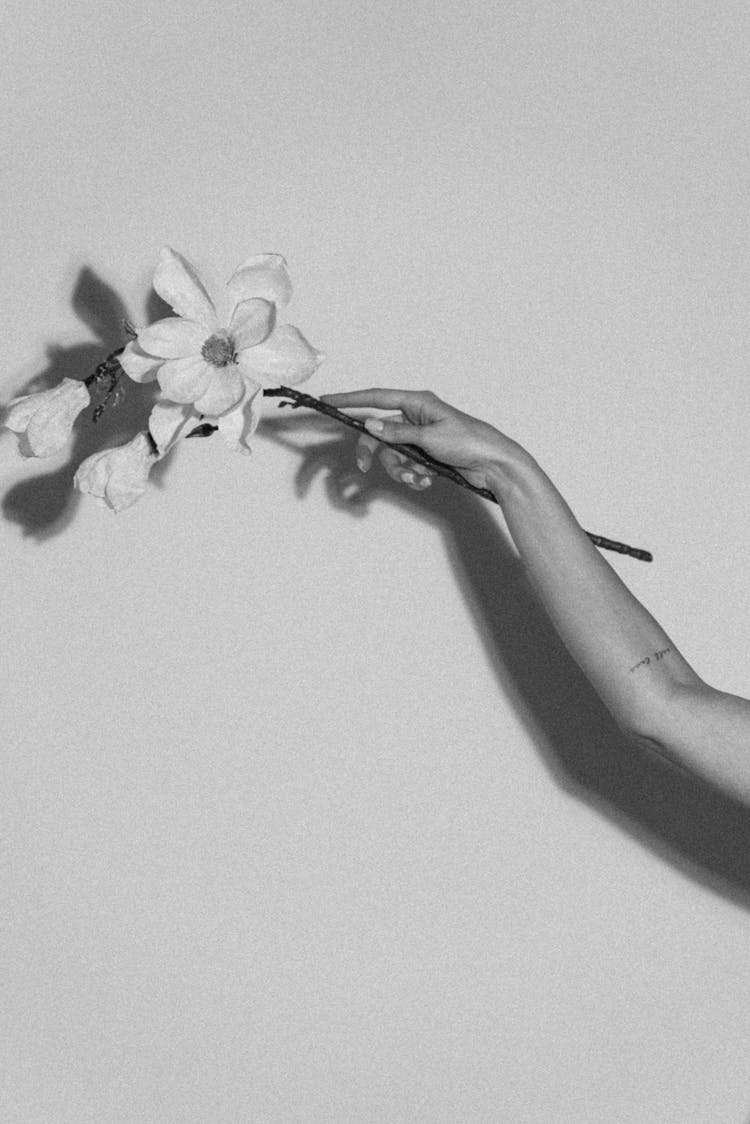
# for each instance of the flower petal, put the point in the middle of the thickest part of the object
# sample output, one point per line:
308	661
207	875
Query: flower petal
285	357
129	476
223	392
21	411
137	365
264	275
172	338
118	476
252	321
184	380
167	421
238	425
91	475
177	282
45	419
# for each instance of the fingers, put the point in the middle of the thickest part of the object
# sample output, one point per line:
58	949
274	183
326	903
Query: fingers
365	450
403	433
399	467
404	470
382	399
420	407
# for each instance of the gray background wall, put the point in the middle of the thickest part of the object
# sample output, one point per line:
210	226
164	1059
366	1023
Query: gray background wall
306	813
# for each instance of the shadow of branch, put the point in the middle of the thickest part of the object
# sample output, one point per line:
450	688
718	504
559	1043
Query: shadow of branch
44	504
698	830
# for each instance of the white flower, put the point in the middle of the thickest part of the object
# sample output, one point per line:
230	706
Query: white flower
168	421
216	366
118	476
45	420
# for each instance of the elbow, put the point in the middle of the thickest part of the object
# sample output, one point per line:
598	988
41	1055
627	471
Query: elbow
644	730
671	721
654	721
649	734
641	735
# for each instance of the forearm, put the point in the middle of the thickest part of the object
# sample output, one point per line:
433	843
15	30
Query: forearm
629	659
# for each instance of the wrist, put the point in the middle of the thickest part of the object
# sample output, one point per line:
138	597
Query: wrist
511	471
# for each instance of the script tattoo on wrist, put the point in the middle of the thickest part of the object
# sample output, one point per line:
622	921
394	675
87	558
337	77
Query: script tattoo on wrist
656	657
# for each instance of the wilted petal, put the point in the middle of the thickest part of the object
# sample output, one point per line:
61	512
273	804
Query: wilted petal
166	423
237	426
177	282
45	419
285	357
184	380
137	365
222	393
251	322
172	338
264	275
118	476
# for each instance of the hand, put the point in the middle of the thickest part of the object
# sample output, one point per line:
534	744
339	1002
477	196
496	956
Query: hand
471	446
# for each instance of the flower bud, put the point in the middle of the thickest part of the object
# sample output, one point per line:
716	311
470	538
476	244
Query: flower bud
118	476
44	420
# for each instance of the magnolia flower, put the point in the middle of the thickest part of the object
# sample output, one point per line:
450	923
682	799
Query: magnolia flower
45	420
118	476
169	421
215	366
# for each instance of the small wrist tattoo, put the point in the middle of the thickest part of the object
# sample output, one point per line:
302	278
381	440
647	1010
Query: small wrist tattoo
656	657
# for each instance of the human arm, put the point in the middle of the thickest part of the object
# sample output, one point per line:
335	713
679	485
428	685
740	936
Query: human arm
648	686
707	732
655	696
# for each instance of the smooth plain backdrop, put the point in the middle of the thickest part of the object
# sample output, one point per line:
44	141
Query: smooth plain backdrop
307	815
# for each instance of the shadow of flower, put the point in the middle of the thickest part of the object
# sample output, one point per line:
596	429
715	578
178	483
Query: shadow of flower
44	504
700	831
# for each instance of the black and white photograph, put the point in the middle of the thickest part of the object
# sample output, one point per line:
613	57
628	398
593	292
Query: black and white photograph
375	500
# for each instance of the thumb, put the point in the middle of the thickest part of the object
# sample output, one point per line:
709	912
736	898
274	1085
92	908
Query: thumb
401	432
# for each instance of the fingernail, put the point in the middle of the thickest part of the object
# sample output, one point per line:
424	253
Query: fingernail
408	478
374	425
362	464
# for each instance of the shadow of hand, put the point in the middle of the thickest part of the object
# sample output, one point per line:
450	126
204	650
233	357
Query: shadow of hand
698	830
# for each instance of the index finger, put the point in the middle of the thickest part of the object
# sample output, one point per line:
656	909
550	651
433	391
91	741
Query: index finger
379	397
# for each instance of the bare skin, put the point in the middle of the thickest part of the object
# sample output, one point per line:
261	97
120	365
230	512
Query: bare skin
652	692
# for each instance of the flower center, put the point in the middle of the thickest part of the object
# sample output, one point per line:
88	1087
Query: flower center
219	349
